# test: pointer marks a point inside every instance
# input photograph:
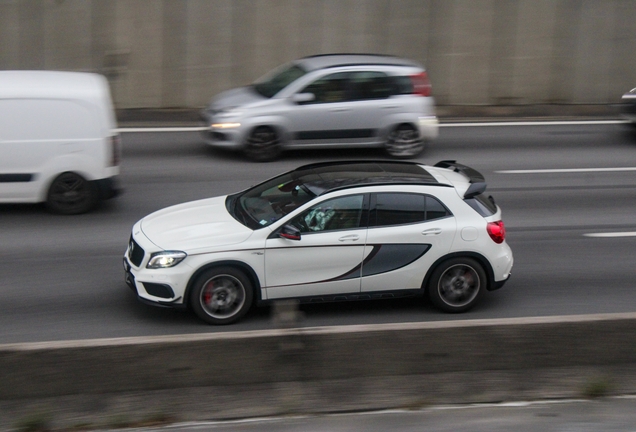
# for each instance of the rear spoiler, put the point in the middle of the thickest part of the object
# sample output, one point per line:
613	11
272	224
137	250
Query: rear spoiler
476	179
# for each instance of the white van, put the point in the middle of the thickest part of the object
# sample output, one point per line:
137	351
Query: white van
58	140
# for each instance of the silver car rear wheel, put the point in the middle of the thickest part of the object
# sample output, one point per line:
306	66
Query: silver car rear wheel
404	142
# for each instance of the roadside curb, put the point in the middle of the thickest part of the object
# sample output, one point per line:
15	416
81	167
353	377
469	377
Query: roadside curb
320	369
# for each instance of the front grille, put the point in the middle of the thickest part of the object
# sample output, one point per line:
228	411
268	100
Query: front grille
135	252
218	136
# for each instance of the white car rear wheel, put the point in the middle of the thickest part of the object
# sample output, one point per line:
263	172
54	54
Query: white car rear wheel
457	284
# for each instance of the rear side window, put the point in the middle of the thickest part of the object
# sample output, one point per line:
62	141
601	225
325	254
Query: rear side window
371	85
483	205
328	89
351	86
404	208
403	85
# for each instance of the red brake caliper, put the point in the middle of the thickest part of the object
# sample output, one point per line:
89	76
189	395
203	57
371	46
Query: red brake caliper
207	295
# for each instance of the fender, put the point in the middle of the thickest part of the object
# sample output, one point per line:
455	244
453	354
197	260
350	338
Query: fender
490	275
249	272
83	164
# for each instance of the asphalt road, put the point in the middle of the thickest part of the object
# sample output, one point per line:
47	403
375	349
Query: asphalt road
61	277
607	415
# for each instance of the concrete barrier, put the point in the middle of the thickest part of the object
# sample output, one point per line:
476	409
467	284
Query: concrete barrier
164	54
242	374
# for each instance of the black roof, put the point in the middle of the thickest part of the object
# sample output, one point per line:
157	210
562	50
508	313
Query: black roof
327	176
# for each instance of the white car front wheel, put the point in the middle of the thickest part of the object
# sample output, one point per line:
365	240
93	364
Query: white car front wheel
221	295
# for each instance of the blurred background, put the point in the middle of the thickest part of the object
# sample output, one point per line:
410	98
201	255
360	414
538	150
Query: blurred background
177	54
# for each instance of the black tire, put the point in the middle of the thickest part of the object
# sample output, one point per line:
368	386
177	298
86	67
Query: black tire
221	295
263	144
71	193
457	284
404	142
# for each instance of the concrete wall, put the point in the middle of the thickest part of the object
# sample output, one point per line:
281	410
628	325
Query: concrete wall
179	53
221	375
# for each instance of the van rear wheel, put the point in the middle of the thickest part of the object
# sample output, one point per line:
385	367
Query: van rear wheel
71	193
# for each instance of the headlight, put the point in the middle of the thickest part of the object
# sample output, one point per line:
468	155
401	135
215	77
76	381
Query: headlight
165	259
225	125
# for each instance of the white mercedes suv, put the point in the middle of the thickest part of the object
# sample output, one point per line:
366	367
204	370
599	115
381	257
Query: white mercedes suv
325	232
327	101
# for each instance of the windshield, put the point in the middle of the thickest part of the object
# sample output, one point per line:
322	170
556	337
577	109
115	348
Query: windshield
278	79
266	203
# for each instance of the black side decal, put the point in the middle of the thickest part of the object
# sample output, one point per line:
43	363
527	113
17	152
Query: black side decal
15	178
389	257
383	258
335	134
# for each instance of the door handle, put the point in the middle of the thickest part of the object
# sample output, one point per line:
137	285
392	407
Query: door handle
340	109
389	106
432	231
351	237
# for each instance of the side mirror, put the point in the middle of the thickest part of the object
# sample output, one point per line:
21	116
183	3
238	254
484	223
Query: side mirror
301	98
289	232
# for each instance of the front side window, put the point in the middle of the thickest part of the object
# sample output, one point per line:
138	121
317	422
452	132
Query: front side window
404	208
371	85
329	89
272	83
335	214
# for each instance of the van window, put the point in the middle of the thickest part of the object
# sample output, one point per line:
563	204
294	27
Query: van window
45	119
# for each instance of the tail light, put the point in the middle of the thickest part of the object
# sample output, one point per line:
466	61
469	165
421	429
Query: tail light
496	231
115	148
421	84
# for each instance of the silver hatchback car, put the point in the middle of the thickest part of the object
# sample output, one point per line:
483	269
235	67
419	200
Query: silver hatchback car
327	101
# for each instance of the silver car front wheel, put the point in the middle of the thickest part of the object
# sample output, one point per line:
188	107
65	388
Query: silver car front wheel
263	144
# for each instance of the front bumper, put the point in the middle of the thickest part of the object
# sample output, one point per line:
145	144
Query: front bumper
161	287
221	133
108	187
155	294
628	108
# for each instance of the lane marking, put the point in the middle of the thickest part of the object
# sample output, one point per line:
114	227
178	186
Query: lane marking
611	234
535	123
566	170
473	124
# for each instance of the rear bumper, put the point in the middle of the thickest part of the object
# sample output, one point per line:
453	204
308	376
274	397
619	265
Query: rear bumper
429	127
108	187
498	284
